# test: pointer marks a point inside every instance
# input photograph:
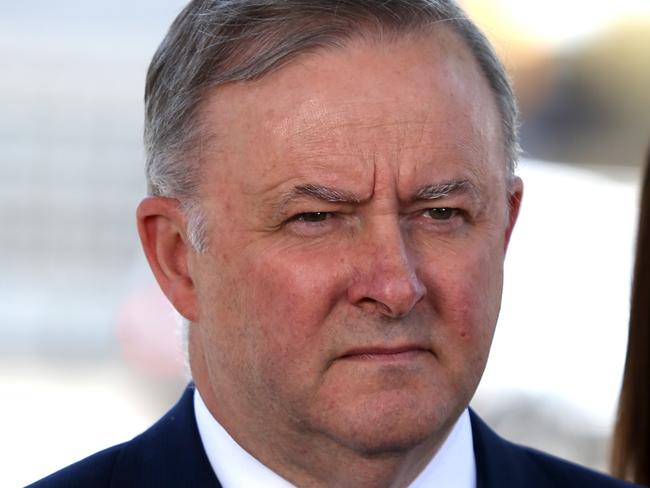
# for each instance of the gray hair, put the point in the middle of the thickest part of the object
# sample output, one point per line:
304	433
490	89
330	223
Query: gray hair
213	42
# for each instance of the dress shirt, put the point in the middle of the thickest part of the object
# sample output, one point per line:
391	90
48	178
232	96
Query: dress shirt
453	466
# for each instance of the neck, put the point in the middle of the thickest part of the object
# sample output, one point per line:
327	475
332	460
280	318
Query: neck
313	460
328	464
307	458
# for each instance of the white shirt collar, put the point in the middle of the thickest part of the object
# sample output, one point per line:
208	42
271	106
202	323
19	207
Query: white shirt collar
453	466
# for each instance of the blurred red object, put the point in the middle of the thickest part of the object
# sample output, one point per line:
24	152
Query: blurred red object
148	331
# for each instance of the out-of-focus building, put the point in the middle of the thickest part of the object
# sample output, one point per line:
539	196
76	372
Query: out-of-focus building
582	75
71	164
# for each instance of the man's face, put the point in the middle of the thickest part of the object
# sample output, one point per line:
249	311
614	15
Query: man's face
357	211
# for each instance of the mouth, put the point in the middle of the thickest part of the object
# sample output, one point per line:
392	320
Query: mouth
401	353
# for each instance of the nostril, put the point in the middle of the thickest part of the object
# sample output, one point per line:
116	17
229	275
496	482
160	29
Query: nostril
405	296
388	295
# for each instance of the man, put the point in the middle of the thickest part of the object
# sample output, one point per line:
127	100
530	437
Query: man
332	196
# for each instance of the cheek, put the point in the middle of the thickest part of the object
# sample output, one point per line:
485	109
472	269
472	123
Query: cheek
289	298
465	294
270	311
465	290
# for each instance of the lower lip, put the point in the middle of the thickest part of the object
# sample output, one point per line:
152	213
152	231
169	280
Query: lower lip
387	357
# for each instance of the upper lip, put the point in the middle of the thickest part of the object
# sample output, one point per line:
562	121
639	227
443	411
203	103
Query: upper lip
359	351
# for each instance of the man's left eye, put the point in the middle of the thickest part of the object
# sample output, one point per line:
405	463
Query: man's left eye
441	213
312	217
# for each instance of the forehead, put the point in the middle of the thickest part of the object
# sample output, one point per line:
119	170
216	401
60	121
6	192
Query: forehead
404	102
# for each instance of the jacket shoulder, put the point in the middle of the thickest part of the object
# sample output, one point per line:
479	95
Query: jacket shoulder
560	472
501	463
94	471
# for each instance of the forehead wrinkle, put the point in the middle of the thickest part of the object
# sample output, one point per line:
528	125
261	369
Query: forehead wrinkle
318	132
358	114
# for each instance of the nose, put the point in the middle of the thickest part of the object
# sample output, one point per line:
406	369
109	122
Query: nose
386	279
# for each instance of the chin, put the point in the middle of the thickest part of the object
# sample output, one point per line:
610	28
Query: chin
385	426
395	443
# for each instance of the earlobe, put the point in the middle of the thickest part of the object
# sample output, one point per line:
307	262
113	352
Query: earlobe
161	226
515	194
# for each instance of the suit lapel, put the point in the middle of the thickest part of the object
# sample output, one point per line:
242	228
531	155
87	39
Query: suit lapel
498	463
169	454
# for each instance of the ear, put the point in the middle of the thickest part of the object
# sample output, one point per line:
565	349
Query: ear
161	225
515	194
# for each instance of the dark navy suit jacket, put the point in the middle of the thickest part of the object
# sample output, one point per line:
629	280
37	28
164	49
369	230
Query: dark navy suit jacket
170	454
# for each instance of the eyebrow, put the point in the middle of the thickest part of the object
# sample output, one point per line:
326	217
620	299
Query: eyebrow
318	192
444	189
335	195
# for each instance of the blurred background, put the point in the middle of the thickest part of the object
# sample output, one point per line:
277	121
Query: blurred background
89	350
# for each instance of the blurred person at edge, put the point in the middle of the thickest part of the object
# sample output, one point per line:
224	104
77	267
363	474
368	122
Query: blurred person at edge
631	444
332	193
